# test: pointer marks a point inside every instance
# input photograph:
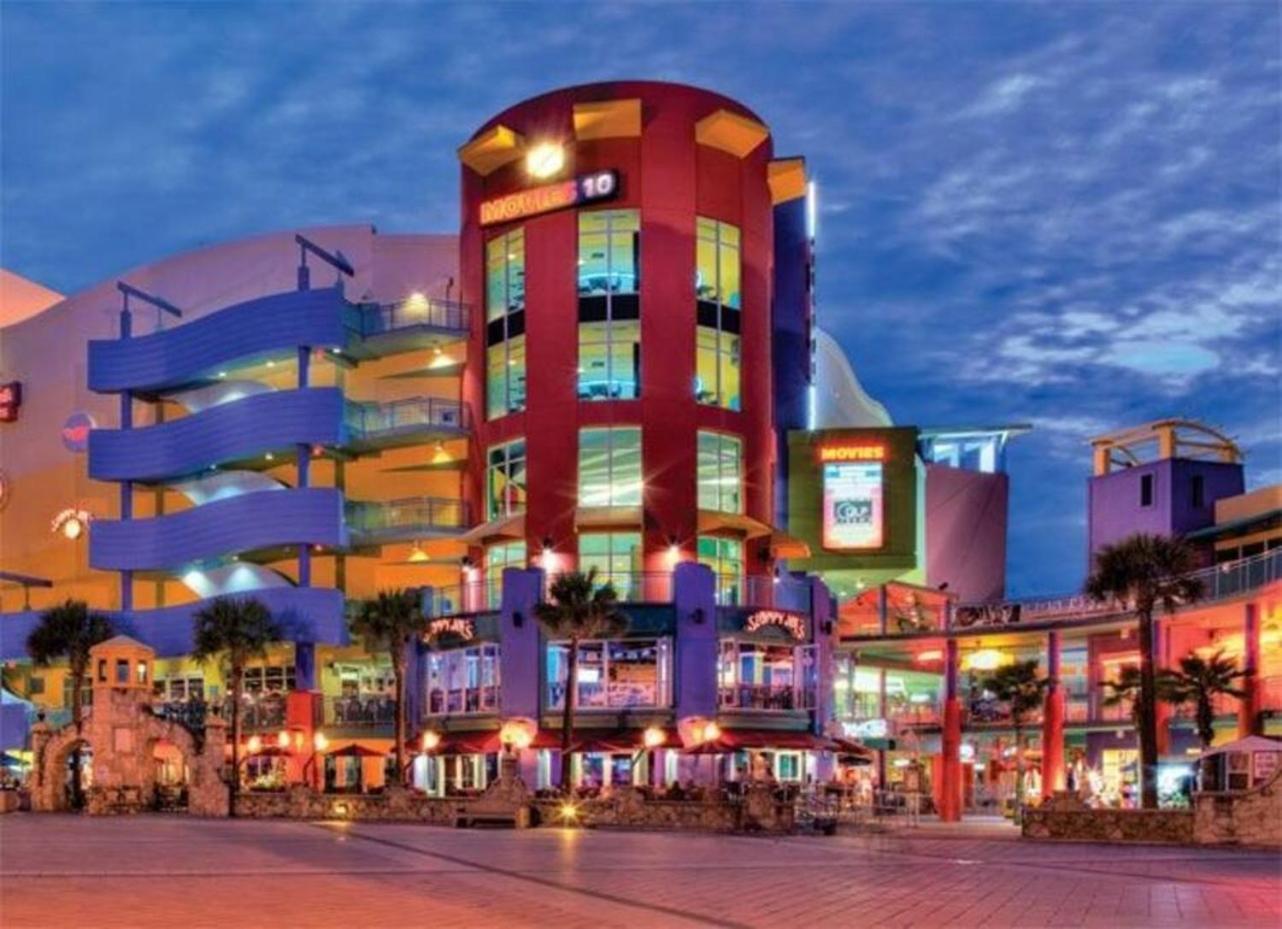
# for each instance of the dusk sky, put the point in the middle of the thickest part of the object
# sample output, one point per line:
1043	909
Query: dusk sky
1066	214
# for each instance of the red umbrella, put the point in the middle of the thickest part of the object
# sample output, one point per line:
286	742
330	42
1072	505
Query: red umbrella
353	750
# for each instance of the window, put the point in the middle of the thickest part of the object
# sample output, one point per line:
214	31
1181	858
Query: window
760	676
465	680
273	679
1199	491
716	287
35	685
610	467
609	306
725	558
122	671
1146	490
621	673
505	480
720	473
616	557
497	557
505	324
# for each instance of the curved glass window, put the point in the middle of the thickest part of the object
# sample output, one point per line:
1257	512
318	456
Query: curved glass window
720	473
617	559
725	558
505	324
505	481
610	467
609	305
717	292
497	557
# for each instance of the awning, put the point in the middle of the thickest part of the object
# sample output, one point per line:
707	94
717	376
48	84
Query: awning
506	527
716	521
732	740
783	545
615	741
354	750
607	517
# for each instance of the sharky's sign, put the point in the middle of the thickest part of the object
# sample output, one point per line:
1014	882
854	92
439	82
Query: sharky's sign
790	623
455	626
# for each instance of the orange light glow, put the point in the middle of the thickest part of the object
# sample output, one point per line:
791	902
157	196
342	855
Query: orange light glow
852	452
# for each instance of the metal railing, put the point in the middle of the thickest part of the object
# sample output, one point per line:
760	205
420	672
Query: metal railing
766	697
410	514
633	586
370	420
190	713
258	711
483	699
377	318
362	710
766	591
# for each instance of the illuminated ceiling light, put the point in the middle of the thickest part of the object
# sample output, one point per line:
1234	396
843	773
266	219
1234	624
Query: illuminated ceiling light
545	160
653	737
986	659
431	741
270	363
222	373
931	654
319	742
417	555
270	457
282	739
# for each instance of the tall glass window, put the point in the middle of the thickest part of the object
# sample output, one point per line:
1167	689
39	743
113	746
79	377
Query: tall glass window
720	473
465	680
725	558
759	676
497	557
620	673
505	324
505	485
609	305
716	285
610	467
616	557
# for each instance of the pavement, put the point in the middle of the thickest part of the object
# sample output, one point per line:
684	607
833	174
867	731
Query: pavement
68	871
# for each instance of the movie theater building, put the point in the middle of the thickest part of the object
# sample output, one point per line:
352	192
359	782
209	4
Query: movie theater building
613	366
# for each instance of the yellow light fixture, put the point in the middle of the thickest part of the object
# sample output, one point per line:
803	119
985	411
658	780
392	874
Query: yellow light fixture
255	745
517	734
545	160
430	741
569	811
711	732
282	739
986	659
417	555
653	737
319	742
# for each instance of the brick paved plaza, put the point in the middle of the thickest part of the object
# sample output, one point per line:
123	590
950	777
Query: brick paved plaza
63	871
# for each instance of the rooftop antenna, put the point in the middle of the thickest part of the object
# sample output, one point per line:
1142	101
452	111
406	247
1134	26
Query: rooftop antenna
335	259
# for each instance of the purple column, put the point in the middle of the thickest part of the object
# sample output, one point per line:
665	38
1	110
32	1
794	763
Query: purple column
694	597
126	487
303	461
521	657
824	632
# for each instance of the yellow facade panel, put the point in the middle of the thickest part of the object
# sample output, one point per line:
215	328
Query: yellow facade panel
730	132
492	149
787	178
607	119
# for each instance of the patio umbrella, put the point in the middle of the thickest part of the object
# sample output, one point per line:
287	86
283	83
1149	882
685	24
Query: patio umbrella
270	751
355	750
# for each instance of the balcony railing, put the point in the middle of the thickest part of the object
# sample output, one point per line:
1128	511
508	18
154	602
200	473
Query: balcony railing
407	516
630	586
377	318
442	701
190	713
374	420
258	711
766	697
362	710
766	591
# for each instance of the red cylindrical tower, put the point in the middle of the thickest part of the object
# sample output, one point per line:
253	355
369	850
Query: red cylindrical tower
692	171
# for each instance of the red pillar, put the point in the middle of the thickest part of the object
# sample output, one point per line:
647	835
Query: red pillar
1161	659
1053	722
950	806
302	709
1249	706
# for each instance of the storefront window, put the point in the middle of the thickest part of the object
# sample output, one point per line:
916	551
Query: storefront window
720	473
505	324
610	467
497	557
725	558
609	305
505	485
717	378
760	676
621	673
464	680
616	557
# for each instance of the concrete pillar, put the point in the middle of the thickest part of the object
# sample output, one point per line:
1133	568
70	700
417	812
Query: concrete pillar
823	618
302	465
950	740
694	596
1249	707
1053	721
1162	659
520	661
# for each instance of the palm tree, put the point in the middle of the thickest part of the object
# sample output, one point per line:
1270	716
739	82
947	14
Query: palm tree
68	631
1020	687
239	630
1145	572
1125	690
1199	681
578	609
391	622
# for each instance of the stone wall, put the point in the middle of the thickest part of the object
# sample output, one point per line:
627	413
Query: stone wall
1090	825
304	803
1246	817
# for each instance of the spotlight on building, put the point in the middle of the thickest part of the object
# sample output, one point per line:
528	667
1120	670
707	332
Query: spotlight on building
430	741
653	737
545	160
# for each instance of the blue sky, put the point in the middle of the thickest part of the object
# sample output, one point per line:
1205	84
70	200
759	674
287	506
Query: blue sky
1062	213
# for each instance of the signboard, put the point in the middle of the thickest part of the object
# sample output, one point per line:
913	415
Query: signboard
457	626
1265	763
587	188
853	505
790	623
867	729
75	431
10	401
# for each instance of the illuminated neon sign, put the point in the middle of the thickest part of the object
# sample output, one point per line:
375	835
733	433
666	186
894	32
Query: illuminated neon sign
587	188
790	623
457	626
851	452
854	509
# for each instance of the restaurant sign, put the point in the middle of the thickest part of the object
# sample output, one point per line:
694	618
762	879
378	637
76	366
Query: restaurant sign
10	401
790	623
587	188
456	627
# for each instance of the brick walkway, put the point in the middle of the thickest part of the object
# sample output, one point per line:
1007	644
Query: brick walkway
63	871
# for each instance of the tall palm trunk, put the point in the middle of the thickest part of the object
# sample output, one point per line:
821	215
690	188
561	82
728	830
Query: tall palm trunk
78	670
398	673
1205	720
1019	770
1147	715
567	718
237	683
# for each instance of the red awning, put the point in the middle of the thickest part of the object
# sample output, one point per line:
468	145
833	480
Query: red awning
732	740
353	750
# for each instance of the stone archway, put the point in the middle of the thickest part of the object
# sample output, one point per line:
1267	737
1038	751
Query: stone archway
52	750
